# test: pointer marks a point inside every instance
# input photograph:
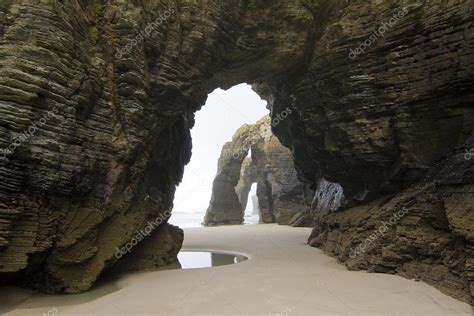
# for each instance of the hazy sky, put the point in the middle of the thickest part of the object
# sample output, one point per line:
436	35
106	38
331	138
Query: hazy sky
216	122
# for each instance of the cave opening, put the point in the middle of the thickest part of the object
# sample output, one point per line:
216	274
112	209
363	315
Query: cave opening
224	112
390	125
252	211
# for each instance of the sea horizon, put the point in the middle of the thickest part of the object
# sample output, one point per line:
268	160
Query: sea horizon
185	219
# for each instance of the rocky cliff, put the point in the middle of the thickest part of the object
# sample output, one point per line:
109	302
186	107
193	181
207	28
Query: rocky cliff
247	177
281	196
225	207
97	99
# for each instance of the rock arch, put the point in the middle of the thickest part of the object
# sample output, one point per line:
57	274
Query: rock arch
281	196
387	123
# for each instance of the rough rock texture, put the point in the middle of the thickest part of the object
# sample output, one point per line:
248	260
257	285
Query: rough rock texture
328	197
224	206
159	250
281	196
381	124
431	242
86	180
248	176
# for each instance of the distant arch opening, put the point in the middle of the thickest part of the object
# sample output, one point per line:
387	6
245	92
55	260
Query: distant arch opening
224	112
252	210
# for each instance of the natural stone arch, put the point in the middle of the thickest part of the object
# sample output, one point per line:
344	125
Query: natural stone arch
110	159
225	207
281	196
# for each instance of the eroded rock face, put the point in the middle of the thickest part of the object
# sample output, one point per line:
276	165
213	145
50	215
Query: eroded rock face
280	194
329	197
248	176
79	183
225	207
82	167
423	232
160	249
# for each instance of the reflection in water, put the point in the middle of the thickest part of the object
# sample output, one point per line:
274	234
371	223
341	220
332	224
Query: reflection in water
199	259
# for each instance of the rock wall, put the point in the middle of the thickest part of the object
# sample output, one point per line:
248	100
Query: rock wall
82	166
329	197
224	206
281	196
160	249
423	232
248	176
97	99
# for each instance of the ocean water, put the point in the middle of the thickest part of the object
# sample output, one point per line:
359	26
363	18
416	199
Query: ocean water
185	219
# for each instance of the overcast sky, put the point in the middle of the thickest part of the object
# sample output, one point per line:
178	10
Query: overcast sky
216	122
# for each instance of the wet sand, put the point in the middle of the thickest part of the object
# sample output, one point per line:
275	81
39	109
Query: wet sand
283	276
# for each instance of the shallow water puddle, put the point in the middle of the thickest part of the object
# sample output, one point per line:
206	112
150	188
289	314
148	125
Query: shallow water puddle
204	259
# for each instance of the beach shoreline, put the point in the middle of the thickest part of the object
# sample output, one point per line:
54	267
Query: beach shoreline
283	276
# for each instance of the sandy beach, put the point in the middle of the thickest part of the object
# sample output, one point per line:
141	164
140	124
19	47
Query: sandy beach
283	276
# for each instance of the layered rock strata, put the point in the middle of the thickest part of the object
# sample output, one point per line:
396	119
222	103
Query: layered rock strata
160	249
423	232
281	195
97	99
